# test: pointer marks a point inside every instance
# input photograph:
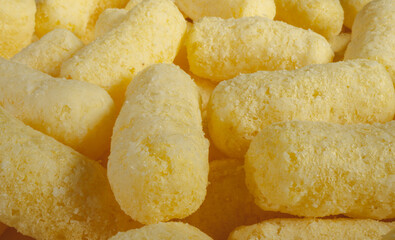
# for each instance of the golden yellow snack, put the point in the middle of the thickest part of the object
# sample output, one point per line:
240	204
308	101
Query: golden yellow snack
390	235
197	9
228	203
109	19
75	15
151	33
373	34
313	229
16	25
357	91
163	231
317	169
49	191
2	228
222	49
158	166
351	8
48	53
339	45
76	113
324	17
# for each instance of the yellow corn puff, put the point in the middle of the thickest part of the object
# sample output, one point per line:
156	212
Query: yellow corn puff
313	229
357	91
373	34
228	203
158	166
351	8
109	19
48	53
16	25
49	191
163	231
196	9
75	15
76	113
151	33
324	17
390	235
318	169
222	49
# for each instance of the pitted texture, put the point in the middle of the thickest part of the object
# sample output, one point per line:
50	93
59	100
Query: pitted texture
222	49
228	203
313	229
48	53
158	166
49	191
109	19
16	25
151	33
74	15
197	9
163	231
317	169
357	91
373	35
76	113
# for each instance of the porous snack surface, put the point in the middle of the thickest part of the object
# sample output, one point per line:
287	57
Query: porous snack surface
158	166
317	169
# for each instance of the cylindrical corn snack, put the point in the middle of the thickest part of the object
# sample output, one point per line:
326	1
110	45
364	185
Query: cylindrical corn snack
158	166
151	33
16	25
2	228
357	91
317	169
373	34
351	8
323	17
221	49
49	191
48	53
75	15
76	113
109	19
197	9
163	231
313	229
228	203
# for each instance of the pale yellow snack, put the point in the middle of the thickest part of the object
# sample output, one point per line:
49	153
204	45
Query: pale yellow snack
373	34
197	9
317	169
163	231
2	228
324	17
76	113
158	166
228	203
151	33
221	49
48	53
313	229
75	15
351	8
49	191
109	19
132	3
339	45
16	25
357	91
